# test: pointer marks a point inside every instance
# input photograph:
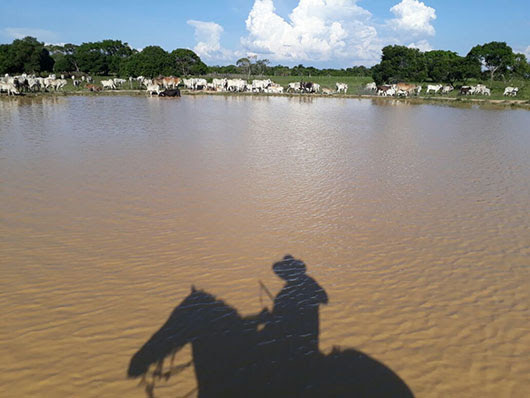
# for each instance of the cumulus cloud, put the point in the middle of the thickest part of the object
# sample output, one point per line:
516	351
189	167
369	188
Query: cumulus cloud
422	45
41	34
414	17
526	52
316	30
208	37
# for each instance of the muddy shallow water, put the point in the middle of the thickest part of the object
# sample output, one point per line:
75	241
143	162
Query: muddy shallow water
415	219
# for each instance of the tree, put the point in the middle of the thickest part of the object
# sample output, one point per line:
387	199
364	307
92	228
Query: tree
115	51
188	63
261	66
400	63
438	64
5	61
152	61
520	67
26	55
244	65
495	56
91	59
64	57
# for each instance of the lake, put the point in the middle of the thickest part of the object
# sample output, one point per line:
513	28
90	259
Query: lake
415	219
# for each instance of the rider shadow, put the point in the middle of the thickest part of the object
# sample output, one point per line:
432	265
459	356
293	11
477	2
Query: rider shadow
271	354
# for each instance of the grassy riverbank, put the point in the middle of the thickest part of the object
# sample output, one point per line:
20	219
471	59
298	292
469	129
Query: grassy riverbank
356	86
356	90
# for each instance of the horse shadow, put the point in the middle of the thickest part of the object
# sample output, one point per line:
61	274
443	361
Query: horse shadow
255	356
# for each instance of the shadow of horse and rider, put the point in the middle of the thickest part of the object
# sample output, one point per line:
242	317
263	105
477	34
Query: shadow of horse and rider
270	354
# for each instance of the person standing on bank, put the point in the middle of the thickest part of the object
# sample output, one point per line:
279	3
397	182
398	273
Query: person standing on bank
294	321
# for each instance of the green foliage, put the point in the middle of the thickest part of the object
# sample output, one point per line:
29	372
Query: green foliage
25	55
403	64
244	65
398	64
5	60
91	59
186	62
152	61
101	58
495	56
439	64
520	67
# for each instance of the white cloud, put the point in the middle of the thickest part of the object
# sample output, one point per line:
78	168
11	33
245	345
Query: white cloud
526	52
41	34
208	37
414	17
422	45
316	30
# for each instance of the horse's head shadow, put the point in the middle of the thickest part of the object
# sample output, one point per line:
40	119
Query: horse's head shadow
233	359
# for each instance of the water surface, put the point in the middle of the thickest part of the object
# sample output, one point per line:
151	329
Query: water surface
415	219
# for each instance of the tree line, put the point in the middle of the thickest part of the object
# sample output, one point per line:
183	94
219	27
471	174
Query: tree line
494	60
106	57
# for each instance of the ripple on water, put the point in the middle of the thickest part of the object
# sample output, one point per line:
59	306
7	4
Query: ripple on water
415	219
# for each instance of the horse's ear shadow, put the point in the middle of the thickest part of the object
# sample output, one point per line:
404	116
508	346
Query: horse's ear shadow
193	290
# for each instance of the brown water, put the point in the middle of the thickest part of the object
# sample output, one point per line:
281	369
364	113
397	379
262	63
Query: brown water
415	219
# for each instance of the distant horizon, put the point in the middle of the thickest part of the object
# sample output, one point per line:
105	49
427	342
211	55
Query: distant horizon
332	34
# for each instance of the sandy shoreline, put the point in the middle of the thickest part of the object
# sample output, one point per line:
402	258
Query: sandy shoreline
519	104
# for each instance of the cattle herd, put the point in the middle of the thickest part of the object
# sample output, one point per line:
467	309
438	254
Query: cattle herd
168	86
405	89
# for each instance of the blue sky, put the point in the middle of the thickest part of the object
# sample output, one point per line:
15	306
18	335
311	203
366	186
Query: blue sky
334	33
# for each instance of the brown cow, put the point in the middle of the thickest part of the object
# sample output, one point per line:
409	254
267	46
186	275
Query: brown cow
170	82
93	87
408	88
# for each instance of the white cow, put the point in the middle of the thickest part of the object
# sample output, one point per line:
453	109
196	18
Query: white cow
236	85
199	84
480	89
371	87
9	88
511	91
220	84
434	88
295	86
34	84
108	84
447	89
341	87
118	82
153	88
56	84
274	89
188	83
260	85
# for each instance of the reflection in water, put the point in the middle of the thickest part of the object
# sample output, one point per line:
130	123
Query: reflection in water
233	359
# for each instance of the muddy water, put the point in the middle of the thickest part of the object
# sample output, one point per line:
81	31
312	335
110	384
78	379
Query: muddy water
414	219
